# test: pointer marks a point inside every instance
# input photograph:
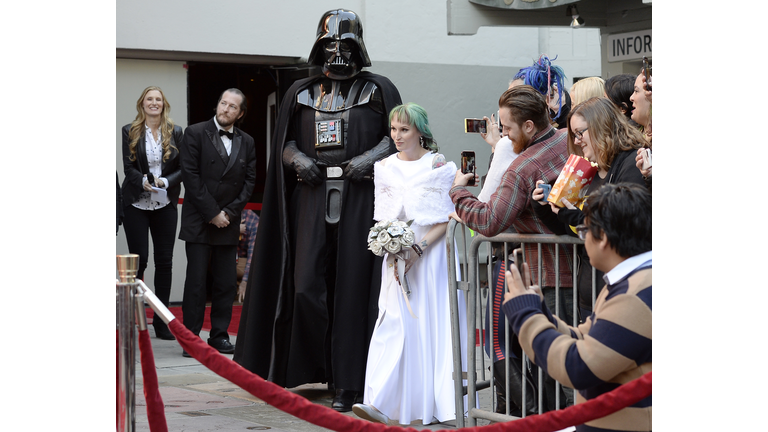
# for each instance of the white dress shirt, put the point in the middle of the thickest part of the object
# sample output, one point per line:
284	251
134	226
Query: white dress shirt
225	139
155	161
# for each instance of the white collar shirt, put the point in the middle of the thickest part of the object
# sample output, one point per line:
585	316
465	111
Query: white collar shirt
627	266
224	139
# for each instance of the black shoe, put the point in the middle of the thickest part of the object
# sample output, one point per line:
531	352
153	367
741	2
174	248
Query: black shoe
163	333
344	400
184	353
222	345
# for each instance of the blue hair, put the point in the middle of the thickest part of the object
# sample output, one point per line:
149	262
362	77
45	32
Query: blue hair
541	75
416	116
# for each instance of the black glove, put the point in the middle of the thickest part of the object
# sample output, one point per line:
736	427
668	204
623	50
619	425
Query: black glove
305	167
362	165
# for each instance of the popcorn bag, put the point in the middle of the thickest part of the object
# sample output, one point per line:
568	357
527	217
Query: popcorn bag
573	180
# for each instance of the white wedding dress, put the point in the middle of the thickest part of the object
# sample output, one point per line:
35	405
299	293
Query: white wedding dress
409	372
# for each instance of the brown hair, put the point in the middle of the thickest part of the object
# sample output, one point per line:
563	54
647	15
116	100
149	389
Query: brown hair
609	131
526	103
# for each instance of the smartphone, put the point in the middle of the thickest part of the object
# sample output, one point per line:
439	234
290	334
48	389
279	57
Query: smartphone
475	126
468	165
647	161
647	72
547	188
151	179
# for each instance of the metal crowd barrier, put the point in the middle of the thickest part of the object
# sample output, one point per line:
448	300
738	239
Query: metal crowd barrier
470	283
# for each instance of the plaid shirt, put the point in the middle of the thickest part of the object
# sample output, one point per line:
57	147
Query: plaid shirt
511	204
248	239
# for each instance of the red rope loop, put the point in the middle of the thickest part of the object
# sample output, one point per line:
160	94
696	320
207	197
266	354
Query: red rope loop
623	396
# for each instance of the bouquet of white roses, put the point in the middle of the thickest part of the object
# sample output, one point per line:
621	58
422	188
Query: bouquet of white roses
390	236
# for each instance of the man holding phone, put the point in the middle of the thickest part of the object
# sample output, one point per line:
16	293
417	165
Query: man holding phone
542	153
614	345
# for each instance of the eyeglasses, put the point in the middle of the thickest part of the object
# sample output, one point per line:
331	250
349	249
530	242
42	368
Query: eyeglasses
580	134
581	231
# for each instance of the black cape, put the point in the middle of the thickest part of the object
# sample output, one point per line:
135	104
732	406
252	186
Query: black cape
264	340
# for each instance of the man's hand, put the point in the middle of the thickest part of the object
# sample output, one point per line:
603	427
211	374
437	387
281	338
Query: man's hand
455	217
304	166
515	286
361	166
241	290
462	179
493	135
221	220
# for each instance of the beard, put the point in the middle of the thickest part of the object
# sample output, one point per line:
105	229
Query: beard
224	122
519	142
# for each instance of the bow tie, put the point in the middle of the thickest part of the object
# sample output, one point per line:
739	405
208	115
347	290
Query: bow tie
229	135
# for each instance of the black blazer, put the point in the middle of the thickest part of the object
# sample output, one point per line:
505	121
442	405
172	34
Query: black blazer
212	185
133	184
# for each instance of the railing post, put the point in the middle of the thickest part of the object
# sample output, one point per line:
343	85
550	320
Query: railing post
127	266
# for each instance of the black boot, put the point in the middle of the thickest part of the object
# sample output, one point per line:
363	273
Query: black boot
501	391
516	381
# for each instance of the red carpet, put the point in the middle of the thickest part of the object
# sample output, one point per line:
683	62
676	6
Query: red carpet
176	311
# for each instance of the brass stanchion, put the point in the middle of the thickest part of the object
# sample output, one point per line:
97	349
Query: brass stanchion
127	266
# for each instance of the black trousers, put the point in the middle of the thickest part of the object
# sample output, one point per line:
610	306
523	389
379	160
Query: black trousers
223	264
161	224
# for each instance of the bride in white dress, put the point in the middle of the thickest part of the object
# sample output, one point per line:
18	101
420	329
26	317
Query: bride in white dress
409	372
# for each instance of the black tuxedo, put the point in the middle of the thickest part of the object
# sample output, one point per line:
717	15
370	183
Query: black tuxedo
213	181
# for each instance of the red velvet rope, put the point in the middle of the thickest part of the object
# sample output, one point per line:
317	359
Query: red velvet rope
155	406
320	415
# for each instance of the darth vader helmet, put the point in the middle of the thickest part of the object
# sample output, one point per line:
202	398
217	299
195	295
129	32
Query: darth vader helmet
339	47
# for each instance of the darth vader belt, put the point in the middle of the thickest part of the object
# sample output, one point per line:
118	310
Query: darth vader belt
334	172
329	134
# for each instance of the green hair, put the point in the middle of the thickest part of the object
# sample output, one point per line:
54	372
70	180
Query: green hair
415	116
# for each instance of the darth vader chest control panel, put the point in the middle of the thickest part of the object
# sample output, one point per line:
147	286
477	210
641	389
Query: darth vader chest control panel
330	134
332	100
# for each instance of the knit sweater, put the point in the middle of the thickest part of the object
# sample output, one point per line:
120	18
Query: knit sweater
612	347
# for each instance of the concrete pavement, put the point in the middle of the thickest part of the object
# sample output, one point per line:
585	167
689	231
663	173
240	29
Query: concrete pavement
196	399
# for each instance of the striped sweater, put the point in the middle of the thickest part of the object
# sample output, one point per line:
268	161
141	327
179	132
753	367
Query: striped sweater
611	348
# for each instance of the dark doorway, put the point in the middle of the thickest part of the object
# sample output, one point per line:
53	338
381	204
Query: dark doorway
206	82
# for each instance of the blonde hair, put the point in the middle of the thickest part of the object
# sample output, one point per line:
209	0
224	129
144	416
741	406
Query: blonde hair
137	126
587	88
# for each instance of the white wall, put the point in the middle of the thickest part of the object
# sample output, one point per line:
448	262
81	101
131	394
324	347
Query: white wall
132	77
451	76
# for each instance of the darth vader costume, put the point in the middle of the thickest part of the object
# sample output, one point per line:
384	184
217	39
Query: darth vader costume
310	303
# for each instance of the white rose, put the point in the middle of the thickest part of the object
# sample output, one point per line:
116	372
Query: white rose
375	247
383	237
408	238
395	230
393	246
381	225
